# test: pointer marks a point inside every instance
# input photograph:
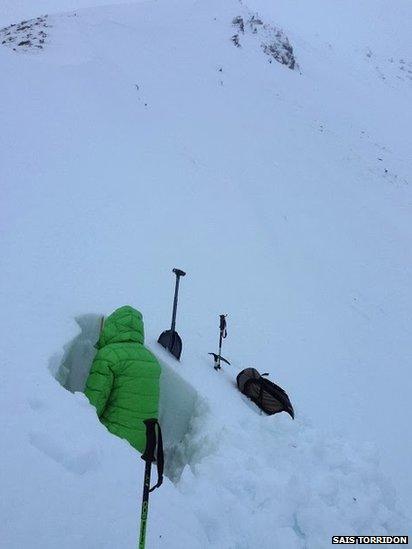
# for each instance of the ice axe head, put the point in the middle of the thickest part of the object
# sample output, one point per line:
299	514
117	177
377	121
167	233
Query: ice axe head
218	357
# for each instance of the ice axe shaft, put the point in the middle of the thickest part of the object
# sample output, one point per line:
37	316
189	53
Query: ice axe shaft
220	342
222	334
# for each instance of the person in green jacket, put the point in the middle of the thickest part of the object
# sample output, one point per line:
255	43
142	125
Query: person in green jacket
123	382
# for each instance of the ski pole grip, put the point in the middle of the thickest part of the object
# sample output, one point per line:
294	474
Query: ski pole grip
179	272
149	453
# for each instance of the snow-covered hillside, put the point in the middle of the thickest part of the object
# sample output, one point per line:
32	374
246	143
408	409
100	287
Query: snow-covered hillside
268	155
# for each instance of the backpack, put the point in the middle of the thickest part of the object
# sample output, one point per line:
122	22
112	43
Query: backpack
270	398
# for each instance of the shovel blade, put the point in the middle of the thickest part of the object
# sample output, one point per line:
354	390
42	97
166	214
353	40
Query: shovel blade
171	340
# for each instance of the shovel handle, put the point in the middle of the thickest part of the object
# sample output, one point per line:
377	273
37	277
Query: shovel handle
179	272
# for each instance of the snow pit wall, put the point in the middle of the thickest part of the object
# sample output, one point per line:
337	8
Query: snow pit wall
182	414
179	402
72	368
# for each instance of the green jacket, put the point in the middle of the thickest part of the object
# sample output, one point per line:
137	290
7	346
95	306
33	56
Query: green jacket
123	382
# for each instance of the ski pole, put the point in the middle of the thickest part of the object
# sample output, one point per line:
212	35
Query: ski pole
149	457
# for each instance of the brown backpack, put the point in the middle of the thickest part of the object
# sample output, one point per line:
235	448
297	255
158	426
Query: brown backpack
270	398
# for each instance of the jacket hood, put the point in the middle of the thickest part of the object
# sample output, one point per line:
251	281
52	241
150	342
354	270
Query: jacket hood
125	325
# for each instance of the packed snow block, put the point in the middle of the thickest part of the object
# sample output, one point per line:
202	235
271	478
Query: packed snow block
177	403
74	366
180	407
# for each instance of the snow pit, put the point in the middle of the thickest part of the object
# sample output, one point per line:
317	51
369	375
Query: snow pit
180	404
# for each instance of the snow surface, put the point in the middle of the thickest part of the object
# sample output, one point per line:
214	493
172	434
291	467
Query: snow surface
140	138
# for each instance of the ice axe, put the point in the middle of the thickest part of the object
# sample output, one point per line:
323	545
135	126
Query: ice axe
222	335
170	339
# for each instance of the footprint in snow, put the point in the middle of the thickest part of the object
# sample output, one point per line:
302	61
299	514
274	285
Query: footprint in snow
77	463
37	404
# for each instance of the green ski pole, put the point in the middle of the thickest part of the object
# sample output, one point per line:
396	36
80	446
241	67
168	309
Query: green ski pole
145	506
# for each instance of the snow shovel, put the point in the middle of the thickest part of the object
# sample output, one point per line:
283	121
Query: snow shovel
152	441
170	339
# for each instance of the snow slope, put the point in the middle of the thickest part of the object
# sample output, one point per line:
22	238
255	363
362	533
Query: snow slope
13	11
140	138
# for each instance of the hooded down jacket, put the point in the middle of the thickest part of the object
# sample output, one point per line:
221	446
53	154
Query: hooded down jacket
123	382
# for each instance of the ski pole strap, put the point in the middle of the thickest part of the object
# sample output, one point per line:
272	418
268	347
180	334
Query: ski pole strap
154	449
159	459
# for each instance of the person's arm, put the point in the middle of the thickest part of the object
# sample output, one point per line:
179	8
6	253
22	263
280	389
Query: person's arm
99	384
